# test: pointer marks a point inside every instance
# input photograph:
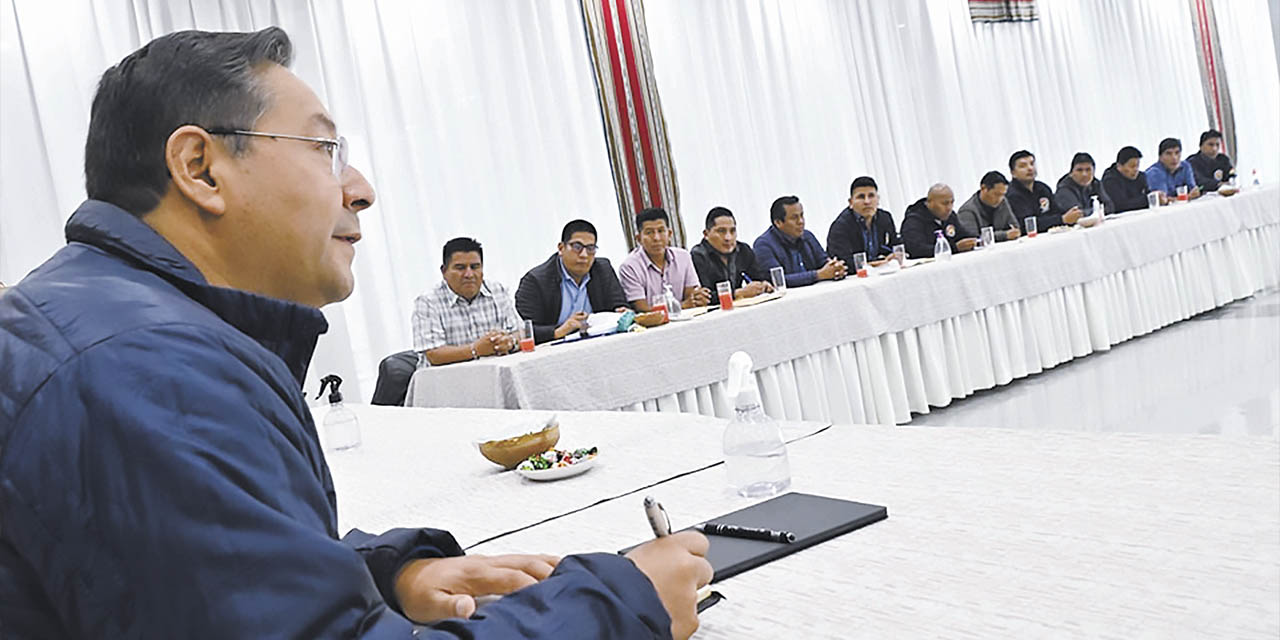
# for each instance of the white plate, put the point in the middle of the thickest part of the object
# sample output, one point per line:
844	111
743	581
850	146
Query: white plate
557	473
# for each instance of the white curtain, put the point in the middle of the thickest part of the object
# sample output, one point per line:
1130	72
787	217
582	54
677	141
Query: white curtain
1245	35
773	97
473	118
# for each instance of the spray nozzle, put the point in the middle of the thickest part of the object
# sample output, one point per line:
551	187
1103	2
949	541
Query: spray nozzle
332	382
741	384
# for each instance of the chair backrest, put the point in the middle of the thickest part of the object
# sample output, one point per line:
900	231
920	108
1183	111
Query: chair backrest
394	373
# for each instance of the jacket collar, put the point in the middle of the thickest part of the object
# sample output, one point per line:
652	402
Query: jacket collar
287	329
786	240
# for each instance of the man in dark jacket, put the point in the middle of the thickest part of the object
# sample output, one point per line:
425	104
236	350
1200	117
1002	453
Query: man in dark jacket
560	293
1078	187
1125	183
1212	168
1030	198
721	258
786	243
929	215
863	227
160	472
988	207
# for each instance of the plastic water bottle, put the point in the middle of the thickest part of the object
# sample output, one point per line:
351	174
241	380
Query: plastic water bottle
1099	209
755	454
341	428
673	305
941	248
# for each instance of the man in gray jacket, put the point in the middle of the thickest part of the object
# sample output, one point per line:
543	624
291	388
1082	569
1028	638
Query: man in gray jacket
988	208
1078	188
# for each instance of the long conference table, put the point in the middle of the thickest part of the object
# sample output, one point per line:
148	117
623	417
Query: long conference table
877	350
991	532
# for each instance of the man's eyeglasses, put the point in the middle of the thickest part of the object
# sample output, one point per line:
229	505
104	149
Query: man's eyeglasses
578	247
337	148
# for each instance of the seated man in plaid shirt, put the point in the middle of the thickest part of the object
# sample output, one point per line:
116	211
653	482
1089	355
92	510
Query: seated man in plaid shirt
464	318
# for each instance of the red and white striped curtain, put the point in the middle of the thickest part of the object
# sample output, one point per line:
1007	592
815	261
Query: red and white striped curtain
635	130
1217	98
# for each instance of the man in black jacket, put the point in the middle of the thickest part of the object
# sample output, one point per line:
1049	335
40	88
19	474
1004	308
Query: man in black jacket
863	227
932	214
1031	198
1212	168
1124	182
560	293
1078	188
721	258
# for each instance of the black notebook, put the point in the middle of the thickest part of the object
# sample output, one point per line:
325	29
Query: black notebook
813	519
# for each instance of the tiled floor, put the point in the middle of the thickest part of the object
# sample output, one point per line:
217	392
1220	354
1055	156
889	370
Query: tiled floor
1216	373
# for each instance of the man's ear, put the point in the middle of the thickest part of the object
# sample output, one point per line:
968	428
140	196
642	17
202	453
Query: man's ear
194	164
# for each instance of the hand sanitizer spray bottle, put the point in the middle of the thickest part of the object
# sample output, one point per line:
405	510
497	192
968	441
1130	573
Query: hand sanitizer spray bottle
341	429
755	455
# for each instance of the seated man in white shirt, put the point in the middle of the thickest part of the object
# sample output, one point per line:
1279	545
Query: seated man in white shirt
464	318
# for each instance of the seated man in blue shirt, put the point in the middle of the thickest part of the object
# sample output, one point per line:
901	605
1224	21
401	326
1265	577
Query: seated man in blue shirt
786	243
161	476
560	293
1170	171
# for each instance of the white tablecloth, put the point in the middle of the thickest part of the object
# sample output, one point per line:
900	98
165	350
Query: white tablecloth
418	468
876	350
995	534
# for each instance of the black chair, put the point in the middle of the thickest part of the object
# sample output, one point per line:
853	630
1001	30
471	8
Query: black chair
394	373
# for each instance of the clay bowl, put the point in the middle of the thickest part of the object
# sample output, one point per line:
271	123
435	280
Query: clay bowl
510	452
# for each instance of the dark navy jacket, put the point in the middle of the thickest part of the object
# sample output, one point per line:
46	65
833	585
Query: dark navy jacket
919	226
800	258
1037	202
160	474
1210	173
849	235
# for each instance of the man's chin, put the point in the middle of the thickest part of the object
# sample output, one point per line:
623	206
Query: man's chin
338	289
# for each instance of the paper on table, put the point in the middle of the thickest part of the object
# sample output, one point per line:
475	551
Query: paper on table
602	322
747	302
691	313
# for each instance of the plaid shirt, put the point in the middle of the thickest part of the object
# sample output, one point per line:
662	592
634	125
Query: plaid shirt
443	318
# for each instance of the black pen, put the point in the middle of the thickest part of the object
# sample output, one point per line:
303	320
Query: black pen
749	533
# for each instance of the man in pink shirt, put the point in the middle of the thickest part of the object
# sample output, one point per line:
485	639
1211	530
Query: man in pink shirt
654	263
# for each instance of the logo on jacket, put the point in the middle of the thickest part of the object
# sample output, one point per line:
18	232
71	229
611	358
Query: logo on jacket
1044	205
1217	175
951	231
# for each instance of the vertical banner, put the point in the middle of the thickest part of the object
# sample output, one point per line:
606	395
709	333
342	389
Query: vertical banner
1217	98
635	130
